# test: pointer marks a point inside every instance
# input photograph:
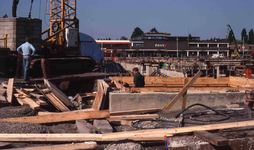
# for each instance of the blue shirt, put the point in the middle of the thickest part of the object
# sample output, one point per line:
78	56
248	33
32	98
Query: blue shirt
27	49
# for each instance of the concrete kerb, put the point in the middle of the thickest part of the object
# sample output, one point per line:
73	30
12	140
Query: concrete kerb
157	100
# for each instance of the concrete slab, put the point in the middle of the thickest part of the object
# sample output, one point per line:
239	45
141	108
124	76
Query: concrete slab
120	102
85	127
103	126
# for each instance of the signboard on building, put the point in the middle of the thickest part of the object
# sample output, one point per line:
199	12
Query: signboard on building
159	45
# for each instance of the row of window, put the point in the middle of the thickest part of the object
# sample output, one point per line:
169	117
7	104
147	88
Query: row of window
206	45
154	38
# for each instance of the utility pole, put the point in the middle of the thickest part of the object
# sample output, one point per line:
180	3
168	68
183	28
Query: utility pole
177	45
101	42
243	46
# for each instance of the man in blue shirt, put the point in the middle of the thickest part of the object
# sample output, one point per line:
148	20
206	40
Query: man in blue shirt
27	51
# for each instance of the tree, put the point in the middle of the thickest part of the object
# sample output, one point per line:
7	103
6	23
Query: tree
123	38
244	36
109	38
154	30
251	37
137	32
230	37
5	16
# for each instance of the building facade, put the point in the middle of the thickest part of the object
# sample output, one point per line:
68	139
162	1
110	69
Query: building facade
160	44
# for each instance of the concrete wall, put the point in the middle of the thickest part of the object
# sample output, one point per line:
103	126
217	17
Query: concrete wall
172	73
17	29
119	102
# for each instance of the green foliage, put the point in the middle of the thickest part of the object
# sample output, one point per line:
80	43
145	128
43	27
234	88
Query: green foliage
154	30
137	32
244	35
251	37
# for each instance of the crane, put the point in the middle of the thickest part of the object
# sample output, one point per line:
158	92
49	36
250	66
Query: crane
236	53
62	18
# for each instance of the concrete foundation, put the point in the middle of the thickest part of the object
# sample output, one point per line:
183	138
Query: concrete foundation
18	29
157	100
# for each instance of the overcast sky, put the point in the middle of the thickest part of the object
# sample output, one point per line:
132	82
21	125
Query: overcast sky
116	18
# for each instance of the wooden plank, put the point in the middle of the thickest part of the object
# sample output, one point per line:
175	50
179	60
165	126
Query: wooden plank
21	101
77	137
2	92
56	102
76	146
28	90
211	138
40	102
165	131
20	91
3	144
58	93
41	113
31	103
184	89
99	97
62	117
10	90
132	117
53	100
105	100
135	111
184	95
2	99
36	95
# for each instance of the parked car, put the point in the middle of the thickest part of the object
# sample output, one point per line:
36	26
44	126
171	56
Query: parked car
217	56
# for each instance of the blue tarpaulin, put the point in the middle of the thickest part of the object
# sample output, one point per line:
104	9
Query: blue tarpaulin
89	47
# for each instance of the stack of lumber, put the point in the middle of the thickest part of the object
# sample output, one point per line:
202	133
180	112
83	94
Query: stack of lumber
33	96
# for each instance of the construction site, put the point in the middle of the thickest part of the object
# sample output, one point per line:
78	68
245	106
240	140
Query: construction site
77	99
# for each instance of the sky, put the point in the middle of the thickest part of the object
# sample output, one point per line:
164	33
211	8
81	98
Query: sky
115	18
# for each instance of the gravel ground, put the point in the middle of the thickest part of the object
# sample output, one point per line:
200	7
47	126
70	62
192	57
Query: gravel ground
16	111
21	127
63	128
124	145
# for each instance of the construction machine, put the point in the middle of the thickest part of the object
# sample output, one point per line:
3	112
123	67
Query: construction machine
62	37
236	52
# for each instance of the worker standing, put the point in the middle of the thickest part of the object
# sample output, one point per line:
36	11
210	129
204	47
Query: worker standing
45	54
27	51
139	80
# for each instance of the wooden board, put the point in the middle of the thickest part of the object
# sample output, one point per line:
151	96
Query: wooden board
36	95
40	102
56	102
135	111
175	99
31	103
21	101
3	144
10	90
62	117
76	146
132	117
211	138
58	93
99	96
184	95
2	99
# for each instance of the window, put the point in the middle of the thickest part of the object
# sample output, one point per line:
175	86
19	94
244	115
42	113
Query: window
193	45
137	44
222	45
202	45
212	45
149	38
